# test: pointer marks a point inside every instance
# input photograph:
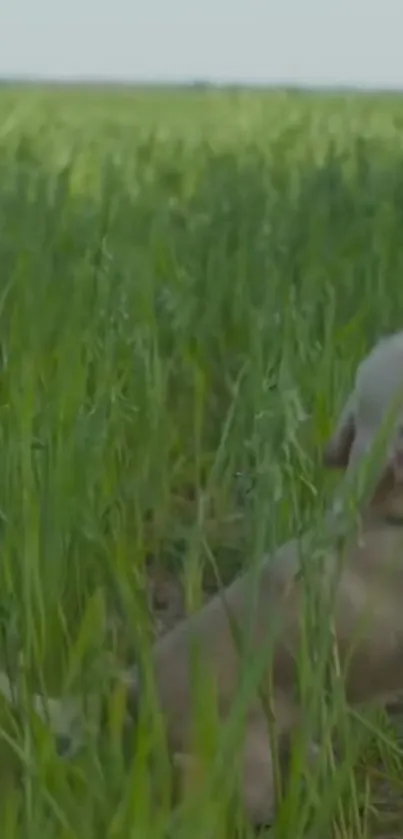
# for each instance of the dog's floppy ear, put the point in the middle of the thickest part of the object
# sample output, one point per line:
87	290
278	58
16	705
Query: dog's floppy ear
337	451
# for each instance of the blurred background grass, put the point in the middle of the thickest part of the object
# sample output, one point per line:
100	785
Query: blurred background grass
187	282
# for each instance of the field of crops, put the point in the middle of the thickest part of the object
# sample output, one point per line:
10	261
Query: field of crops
187	281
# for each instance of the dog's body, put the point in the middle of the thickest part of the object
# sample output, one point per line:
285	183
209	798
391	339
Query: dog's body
368	601
367	613
364	583
369	589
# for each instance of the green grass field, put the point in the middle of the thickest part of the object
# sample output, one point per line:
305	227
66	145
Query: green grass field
187	281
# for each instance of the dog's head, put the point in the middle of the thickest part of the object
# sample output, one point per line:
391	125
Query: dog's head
373	418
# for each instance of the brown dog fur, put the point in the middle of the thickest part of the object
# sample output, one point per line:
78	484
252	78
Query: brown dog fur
368	601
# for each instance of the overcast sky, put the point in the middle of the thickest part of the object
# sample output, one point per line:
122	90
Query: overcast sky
295	41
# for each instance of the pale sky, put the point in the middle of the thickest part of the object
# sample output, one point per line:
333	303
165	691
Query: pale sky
358	42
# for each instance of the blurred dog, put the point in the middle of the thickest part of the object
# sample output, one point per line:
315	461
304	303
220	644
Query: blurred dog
359	581
366	588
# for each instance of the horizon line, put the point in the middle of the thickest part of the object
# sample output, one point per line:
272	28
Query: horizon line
195	83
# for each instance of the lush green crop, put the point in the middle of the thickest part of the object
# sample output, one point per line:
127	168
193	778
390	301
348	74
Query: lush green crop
187	281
